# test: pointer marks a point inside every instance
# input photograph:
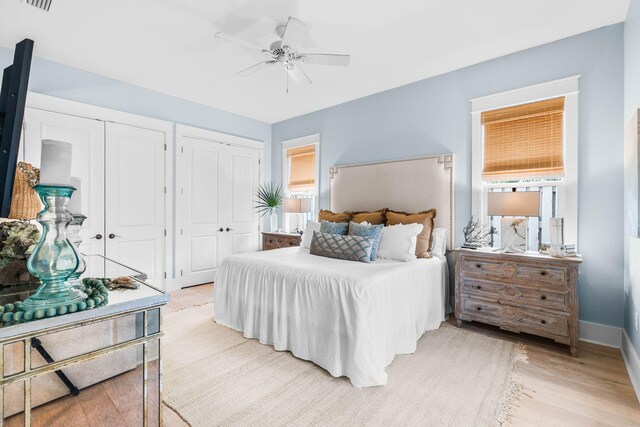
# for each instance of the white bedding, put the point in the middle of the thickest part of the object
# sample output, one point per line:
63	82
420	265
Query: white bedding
350	318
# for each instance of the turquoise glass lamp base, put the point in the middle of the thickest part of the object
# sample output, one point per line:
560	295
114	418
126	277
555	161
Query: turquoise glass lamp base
54	258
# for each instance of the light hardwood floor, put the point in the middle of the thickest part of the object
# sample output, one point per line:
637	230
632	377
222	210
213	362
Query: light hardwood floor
591	390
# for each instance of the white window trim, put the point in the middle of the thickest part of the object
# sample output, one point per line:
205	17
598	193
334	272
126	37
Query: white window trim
568	188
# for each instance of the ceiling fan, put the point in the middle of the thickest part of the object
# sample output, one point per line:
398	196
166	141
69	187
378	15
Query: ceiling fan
284	52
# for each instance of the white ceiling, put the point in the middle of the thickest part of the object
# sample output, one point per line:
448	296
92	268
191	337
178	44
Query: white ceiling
168	45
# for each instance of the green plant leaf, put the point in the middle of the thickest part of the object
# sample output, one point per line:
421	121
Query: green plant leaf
269	196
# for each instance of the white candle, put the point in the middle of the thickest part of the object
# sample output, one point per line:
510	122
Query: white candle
55	163
75	204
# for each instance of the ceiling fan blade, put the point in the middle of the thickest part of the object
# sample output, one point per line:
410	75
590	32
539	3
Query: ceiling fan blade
236	40
298	75
325	59
294	32
254	68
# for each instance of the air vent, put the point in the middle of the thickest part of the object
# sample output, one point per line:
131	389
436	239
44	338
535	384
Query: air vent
40	4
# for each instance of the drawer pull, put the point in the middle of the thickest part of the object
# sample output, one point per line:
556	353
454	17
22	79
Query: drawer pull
478	266
544	322
479	287
543	273
290	243
543	297
270	241
479	308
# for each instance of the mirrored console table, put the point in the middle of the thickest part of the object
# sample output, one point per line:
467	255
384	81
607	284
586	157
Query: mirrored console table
87	367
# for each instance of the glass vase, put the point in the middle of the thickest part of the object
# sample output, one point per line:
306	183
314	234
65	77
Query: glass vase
73	233
274	221
54	258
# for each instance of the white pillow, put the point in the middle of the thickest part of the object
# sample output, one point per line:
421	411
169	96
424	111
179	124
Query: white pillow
307	235
399	242
439	248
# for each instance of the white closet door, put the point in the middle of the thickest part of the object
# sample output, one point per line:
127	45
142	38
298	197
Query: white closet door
202	205
243	178
135	194
87	139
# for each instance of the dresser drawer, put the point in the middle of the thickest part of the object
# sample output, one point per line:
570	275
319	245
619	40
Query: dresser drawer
506	271
277	242
516	318
516	294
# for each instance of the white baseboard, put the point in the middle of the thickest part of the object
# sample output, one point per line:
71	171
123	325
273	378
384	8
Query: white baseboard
632	361
597	333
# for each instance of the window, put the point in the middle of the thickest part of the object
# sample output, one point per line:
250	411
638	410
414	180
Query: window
526	140
302	169
300	161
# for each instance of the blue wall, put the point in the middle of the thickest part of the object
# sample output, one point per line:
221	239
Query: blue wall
631	104
432	116
55	79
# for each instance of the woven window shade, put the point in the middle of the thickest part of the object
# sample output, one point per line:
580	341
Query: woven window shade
302	168
524	141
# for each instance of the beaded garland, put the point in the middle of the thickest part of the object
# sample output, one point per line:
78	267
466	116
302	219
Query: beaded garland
97	296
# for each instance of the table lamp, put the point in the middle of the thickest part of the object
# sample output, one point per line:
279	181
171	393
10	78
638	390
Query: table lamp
297	205
514	207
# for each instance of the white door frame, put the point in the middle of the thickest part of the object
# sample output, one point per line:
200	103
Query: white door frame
74	108
184	131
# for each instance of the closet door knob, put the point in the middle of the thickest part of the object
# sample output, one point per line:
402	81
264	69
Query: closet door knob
113	236
97	237
229	229
221	229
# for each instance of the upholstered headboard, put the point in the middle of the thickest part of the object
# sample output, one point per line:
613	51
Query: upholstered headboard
409	185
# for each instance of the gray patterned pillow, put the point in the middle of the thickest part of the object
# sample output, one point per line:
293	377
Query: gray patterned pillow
351	248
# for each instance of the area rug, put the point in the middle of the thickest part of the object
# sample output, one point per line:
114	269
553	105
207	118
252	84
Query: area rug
214	376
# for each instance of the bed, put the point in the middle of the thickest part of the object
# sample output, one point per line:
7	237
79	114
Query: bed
350	318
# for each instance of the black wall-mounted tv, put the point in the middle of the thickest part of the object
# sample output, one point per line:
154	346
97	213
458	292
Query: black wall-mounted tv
13	97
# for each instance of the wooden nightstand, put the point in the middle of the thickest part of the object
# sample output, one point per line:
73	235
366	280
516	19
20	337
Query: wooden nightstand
531	293
280	240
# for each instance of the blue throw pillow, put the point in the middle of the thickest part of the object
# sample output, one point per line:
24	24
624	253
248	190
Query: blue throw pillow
350	248
339	228
369	231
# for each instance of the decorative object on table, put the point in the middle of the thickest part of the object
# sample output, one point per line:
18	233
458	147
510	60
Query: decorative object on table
97	295
270	198
54	258
297	206
73	231
556	230
557	250
17	241
514	207
25	203
122	282
477	235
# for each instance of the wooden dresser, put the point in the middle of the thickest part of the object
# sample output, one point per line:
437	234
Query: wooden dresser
280	240
531	293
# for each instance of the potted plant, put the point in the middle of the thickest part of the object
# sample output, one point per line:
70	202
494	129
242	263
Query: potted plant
270	198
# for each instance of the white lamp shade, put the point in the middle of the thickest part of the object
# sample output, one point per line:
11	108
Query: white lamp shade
513	203
297	205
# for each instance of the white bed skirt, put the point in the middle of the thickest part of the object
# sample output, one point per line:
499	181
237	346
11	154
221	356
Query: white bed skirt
348	317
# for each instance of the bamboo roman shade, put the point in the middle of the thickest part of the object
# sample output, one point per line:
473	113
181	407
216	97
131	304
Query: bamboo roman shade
524	141
302	168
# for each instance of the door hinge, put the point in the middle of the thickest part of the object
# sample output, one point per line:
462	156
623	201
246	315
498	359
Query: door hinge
182	150
165	147
165	274
165	232
165	190
180	272
181	231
